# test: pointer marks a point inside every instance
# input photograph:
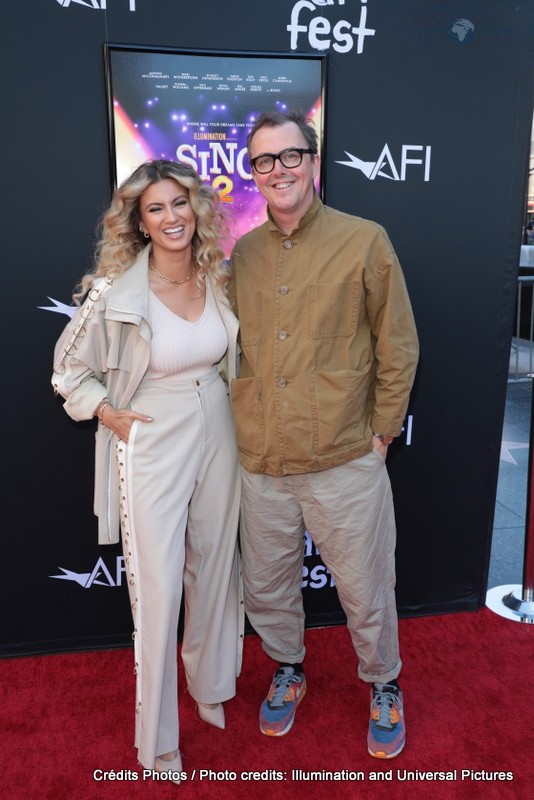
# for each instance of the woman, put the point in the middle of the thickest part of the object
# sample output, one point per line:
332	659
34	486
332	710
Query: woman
145	354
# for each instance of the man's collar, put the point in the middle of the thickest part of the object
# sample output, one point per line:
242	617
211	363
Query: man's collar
311	213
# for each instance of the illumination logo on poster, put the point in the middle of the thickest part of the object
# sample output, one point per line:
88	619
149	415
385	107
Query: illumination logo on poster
412	159
309	27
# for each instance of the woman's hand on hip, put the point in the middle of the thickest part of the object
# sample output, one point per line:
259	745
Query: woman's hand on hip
120	420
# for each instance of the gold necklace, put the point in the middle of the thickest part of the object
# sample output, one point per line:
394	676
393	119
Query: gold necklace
171	280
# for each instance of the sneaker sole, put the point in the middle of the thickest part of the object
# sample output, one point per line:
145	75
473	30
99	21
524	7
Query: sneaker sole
270	732
381	754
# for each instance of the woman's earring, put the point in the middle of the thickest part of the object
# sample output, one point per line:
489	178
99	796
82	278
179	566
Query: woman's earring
145	234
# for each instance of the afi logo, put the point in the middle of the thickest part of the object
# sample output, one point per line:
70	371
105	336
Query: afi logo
100	5
320	32
412	155
99	575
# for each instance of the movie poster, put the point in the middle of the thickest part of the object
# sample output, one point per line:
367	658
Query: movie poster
199	108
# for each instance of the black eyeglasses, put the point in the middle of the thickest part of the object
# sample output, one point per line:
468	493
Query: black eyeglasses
290	158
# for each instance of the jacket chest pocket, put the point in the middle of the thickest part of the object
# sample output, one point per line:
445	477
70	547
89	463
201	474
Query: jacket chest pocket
333	309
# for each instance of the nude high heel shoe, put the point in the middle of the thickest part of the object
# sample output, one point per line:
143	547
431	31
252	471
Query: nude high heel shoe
213	714
174	767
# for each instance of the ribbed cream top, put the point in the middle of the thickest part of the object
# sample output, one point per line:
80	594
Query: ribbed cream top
181	348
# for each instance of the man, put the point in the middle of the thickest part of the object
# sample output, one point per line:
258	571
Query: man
329	352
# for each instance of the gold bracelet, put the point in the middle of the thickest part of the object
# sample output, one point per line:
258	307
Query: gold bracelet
100	409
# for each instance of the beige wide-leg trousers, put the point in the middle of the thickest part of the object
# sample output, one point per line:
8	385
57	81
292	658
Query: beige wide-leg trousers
348	512
180	486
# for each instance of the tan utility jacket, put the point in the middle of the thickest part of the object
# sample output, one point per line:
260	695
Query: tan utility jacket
328	339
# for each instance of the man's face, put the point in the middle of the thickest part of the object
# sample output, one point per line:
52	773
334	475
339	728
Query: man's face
288	191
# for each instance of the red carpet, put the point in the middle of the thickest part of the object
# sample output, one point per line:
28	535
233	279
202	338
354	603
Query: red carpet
468	681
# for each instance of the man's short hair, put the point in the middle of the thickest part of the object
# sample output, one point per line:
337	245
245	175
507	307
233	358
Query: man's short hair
272	119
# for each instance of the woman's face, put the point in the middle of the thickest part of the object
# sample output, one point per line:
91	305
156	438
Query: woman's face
167	216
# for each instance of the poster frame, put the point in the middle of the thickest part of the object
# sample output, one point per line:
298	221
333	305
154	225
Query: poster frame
190	59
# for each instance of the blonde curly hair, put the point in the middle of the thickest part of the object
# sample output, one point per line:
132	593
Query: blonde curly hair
121	240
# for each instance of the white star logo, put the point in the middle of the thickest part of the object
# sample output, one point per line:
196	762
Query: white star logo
60	308
507	446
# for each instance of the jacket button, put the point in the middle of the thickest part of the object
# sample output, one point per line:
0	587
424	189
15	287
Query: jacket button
287	244
282	383
282	336
284	289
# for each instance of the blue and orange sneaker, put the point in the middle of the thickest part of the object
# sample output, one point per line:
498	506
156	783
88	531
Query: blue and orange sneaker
277	712
387	733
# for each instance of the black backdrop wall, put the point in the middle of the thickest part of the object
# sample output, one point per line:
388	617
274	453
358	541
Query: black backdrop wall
458	95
